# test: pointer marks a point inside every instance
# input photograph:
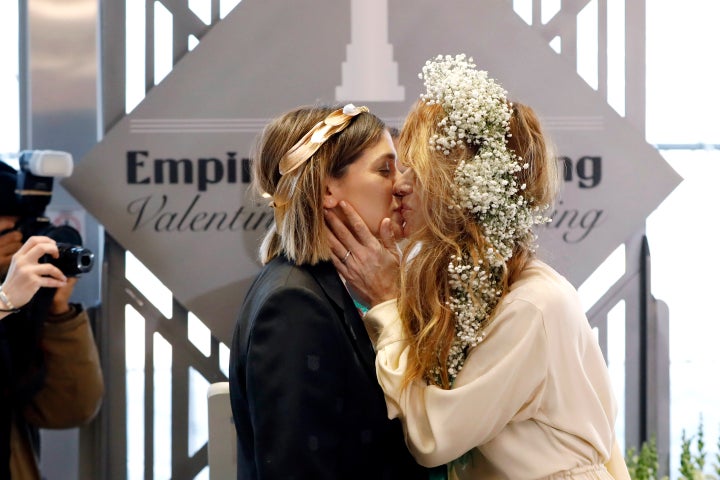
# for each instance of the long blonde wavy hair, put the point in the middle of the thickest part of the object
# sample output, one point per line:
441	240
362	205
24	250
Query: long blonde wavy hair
424	281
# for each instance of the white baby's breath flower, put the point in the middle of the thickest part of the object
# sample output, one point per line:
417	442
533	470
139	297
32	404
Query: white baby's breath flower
478	114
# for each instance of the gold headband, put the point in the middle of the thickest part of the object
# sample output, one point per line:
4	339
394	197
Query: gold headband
334	123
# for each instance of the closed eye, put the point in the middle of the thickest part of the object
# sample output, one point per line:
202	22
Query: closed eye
385	169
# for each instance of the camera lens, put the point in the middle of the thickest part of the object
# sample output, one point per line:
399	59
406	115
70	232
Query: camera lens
72	259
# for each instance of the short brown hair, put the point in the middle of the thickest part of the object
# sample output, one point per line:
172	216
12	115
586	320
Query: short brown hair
298	231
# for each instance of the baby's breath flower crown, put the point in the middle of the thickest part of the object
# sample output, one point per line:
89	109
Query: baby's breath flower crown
478	114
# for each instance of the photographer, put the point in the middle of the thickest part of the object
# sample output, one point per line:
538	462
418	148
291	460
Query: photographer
49	366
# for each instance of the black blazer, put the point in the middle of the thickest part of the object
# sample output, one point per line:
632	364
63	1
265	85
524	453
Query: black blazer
304	395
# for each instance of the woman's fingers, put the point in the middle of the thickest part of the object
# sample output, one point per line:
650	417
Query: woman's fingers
368	265
337	249
341	232
388	234
342	238
360	230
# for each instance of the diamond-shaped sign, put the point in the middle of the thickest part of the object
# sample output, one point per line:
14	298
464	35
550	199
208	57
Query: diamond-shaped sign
174	175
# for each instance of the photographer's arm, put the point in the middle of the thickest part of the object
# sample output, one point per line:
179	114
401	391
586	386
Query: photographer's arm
73	388
26	275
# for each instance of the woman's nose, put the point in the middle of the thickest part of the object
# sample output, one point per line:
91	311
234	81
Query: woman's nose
402	187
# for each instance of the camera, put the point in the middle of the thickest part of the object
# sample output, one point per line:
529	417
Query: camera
30	195
73	259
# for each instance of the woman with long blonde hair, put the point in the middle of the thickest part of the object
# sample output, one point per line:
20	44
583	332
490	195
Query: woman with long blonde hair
485	354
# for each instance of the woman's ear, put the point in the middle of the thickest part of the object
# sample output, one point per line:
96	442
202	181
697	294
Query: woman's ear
330	197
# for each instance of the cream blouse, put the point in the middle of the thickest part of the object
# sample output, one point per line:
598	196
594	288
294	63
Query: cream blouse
532	401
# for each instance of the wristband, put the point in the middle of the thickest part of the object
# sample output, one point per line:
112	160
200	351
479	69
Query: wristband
5	300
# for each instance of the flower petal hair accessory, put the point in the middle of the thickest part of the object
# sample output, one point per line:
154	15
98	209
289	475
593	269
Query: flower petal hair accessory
334	123
478	114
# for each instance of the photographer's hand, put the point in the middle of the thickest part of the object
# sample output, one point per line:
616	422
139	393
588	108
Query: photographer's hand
61	301
26	275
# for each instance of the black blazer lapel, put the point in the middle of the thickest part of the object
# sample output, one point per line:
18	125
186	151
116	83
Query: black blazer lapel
332	285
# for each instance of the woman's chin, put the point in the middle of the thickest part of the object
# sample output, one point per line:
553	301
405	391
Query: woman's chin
399	229
409	228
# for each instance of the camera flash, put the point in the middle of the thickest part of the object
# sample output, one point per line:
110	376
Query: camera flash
50	163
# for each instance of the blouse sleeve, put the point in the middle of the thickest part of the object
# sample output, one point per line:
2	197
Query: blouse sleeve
502	379
616	464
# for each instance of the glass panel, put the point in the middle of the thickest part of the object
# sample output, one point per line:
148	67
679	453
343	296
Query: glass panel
616	55
148	284
198	411
163	42
135	391
135	53
549	9
587	43
603	278
199	334
556	44
9	87
524	9
682	78
226	6
204	474
202	9
616	364
192	42
681	236
162	421
224	355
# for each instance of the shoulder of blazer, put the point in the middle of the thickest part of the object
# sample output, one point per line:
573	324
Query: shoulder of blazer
281	274
321	278
329	280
